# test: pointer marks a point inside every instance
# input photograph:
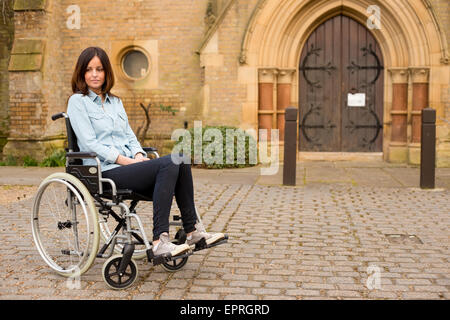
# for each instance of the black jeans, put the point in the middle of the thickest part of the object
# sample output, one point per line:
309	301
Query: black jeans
160	179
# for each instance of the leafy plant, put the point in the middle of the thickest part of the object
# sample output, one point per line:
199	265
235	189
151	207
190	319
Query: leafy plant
56	159
243	149
10	161
29	161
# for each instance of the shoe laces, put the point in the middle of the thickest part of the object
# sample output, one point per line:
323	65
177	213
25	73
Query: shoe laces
200	227
164	241
164	237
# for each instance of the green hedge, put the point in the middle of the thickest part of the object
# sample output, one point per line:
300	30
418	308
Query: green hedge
209	147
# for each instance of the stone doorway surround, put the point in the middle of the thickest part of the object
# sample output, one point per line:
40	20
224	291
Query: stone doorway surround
415	56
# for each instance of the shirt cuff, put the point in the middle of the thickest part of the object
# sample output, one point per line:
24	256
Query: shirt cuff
135	151
112	155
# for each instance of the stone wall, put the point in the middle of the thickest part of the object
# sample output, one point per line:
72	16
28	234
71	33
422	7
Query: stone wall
6	41
222	92
441	9
176	27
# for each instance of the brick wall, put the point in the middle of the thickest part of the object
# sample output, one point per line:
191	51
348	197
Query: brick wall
178	28
226	95
28	103
6	41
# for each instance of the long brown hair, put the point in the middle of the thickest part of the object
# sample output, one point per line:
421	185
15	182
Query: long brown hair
79	84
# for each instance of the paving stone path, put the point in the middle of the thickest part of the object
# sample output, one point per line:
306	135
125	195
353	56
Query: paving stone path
314	241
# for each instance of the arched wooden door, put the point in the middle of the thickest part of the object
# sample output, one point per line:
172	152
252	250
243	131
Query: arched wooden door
341	89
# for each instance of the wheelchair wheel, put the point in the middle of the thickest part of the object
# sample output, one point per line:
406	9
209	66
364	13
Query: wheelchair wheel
112	277
65	225
175	265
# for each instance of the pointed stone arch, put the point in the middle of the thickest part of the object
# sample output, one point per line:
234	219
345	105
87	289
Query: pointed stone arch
277	30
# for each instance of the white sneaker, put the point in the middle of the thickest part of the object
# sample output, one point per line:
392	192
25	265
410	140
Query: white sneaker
164	246
201	233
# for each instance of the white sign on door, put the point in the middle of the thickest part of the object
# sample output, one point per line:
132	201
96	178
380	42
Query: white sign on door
356	100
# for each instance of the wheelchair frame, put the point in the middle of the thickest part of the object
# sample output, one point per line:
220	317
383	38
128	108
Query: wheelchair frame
85	187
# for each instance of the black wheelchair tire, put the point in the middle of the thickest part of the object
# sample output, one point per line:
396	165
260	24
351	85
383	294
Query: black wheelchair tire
111	265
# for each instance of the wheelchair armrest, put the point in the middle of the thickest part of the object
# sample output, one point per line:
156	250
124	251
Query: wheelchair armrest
81	155
150	150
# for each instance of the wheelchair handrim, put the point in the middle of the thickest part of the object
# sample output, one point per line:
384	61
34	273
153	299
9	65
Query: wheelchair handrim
89	255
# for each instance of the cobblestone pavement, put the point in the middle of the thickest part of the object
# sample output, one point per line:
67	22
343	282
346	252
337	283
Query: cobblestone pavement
313	241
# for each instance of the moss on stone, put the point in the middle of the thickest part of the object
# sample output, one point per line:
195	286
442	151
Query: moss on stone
21	5
27	46
25	62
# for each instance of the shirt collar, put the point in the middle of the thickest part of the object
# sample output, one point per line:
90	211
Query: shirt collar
96	98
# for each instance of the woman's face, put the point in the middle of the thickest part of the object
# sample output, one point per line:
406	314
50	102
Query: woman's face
95	75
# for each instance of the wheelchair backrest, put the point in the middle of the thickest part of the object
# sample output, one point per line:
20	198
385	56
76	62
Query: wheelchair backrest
72	142
89	175
76	167
71	137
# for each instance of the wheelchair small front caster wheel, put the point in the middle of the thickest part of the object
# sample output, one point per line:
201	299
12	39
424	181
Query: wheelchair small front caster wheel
174	265
113	278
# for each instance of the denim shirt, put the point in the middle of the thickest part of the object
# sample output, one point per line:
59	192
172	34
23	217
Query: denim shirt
105	131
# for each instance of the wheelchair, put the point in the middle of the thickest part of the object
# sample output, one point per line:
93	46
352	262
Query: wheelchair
73	211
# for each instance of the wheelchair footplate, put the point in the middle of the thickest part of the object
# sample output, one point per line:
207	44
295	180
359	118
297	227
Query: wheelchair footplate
165	258
201	245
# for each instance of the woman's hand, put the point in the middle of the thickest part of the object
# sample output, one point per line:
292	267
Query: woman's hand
123	161
140	157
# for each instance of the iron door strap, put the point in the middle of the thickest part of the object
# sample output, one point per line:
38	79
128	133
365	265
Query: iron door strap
329	67
378	126
303	126
378	67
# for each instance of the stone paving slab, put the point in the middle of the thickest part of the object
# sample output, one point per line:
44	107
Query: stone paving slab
313	241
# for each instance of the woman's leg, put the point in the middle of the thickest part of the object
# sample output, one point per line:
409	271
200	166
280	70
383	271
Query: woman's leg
155	178
184	195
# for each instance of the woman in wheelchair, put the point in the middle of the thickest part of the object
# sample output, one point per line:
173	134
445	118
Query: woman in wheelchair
100	123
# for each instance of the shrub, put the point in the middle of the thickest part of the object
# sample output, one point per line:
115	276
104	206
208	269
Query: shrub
29	162
236	148
10	161
56	159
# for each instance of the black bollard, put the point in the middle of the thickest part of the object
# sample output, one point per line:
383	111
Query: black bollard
290	146
428	149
